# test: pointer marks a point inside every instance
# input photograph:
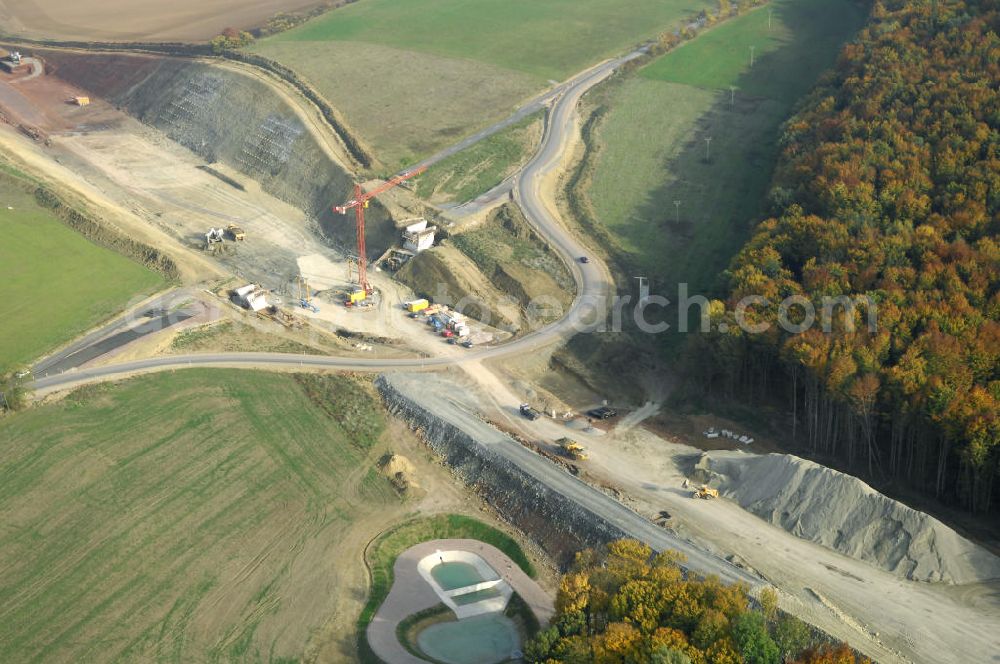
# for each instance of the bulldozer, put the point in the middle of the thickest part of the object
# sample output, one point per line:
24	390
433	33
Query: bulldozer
706	492
572	449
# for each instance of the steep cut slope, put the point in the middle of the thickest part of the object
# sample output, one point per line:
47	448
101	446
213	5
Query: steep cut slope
226	116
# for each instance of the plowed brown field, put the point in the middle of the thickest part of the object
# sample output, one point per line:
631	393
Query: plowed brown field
137	20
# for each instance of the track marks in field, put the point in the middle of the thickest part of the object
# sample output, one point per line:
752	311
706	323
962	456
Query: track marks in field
177	517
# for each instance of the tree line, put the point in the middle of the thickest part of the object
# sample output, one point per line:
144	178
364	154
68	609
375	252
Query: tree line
887	192
625	605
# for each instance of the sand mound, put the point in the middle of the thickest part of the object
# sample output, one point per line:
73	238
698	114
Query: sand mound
400	471
845	514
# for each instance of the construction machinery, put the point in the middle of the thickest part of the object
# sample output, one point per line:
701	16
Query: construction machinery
705	492
304	294
358	204
356	297
572	449
236	232
214	235
602	413
528	412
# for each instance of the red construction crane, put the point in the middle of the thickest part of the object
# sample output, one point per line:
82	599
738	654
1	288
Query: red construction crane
359	203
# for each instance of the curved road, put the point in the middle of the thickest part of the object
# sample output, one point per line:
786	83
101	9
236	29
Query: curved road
593	280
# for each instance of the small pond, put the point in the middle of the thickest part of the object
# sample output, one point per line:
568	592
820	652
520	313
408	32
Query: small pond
484	639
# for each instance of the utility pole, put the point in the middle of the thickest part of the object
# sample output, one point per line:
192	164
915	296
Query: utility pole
769	13
677	212
708	143
751	55
643	289
732	97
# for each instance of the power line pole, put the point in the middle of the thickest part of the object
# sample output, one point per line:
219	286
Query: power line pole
677	212
769	13
708	143
732	97
751	55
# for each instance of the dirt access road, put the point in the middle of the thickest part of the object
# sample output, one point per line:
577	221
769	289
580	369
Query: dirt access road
888	617
588	310
907	611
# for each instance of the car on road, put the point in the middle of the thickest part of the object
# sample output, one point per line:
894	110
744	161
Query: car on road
602	413
584	259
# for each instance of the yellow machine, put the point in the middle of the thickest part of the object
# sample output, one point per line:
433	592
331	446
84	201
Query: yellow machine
572	449
414	306
357	296
706	492
236	232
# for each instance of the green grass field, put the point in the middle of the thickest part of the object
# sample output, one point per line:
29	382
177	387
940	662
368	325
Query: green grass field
194	516
551	39
474	171
56	283
792	40
651	148
413	77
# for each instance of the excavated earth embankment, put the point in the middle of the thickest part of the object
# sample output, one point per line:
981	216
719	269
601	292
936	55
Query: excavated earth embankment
843	513
224	115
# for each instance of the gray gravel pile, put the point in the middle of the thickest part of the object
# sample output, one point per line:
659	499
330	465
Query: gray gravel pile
843	513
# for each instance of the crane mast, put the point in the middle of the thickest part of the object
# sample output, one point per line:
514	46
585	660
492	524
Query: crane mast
359	203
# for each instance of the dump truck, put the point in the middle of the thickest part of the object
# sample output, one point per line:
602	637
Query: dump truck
705	492
236	232
572	449
602	413
413	306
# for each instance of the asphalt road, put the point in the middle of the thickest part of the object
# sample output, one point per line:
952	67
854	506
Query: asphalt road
106	344
441	398
533	106
588	310
117	333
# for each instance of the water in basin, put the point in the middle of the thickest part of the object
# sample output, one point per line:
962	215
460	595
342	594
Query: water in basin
484	639
455	574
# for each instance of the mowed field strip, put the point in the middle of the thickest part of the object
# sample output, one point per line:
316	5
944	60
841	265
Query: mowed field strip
416	76
188	517
652	147
56	283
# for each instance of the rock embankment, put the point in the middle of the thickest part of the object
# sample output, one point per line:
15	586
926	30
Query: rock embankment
558	524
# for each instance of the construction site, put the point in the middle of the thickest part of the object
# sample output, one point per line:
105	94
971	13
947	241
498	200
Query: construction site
289	256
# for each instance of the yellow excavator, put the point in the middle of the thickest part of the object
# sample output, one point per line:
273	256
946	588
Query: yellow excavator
572	449
706	492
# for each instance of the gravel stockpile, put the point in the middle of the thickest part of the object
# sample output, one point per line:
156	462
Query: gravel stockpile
845	514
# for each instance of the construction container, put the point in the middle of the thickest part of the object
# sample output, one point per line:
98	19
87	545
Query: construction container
414	306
